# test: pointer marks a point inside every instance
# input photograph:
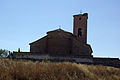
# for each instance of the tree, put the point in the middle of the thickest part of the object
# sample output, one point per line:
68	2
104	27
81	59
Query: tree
3	53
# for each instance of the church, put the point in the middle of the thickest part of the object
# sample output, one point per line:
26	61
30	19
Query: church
59	46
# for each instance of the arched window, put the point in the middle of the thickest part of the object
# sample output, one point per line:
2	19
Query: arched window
79	32
79	18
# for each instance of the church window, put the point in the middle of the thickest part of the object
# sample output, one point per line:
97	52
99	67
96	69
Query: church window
79	32
80	18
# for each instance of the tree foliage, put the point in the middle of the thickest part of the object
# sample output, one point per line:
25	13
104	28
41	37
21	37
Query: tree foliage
3	53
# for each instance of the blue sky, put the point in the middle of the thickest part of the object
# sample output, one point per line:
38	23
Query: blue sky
24	21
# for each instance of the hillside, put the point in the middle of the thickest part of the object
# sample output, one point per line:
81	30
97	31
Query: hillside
28	70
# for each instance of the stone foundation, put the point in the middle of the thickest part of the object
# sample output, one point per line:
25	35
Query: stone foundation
114	62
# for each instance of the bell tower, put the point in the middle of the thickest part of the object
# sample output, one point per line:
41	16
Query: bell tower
80	26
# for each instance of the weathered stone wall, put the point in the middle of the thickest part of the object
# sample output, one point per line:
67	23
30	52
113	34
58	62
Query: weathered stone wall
79	48
59	43
39	46
40	57
115	62
59	46
80	21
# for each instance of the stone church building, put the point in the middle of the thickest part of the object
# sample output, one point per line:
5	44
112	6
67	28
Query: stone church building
60	45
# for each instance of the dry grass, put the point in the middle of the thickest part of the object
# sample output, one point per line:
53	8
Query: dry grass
28	70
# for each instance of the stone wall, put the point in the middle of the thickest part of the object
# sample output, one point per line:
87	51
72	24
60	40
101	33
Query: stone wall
115	62
39	45
79	48
61	43
80	21
40	57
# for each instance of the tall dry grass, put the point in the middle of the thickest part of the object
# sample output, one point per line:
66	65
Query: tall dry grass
28	70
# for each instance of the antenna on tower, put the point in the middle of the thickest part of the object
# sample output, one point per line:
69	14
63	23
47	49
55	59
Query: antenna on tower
80	11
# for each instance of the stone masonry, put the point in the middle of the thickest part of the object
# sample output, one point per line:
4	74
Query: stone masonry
59	45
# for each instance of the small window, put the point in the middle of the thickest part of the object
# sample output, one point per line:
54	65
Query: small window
80	18
79	32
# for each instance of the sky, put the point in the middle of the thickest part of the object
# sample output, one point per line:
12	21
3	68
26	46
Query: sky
24	21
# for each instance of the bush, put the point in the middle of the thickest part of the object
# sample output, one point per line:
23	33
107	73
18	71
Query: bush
3	53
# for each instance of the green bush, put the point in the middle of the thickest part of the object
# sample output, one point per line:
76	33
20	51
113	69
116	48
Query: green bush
3	53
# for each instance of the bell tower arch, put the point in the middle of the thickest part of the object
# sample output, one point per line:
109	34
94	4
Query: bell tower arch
80	26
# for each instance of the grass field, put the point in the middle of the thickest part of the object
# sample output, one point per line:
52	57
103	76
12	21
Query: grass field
28	70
